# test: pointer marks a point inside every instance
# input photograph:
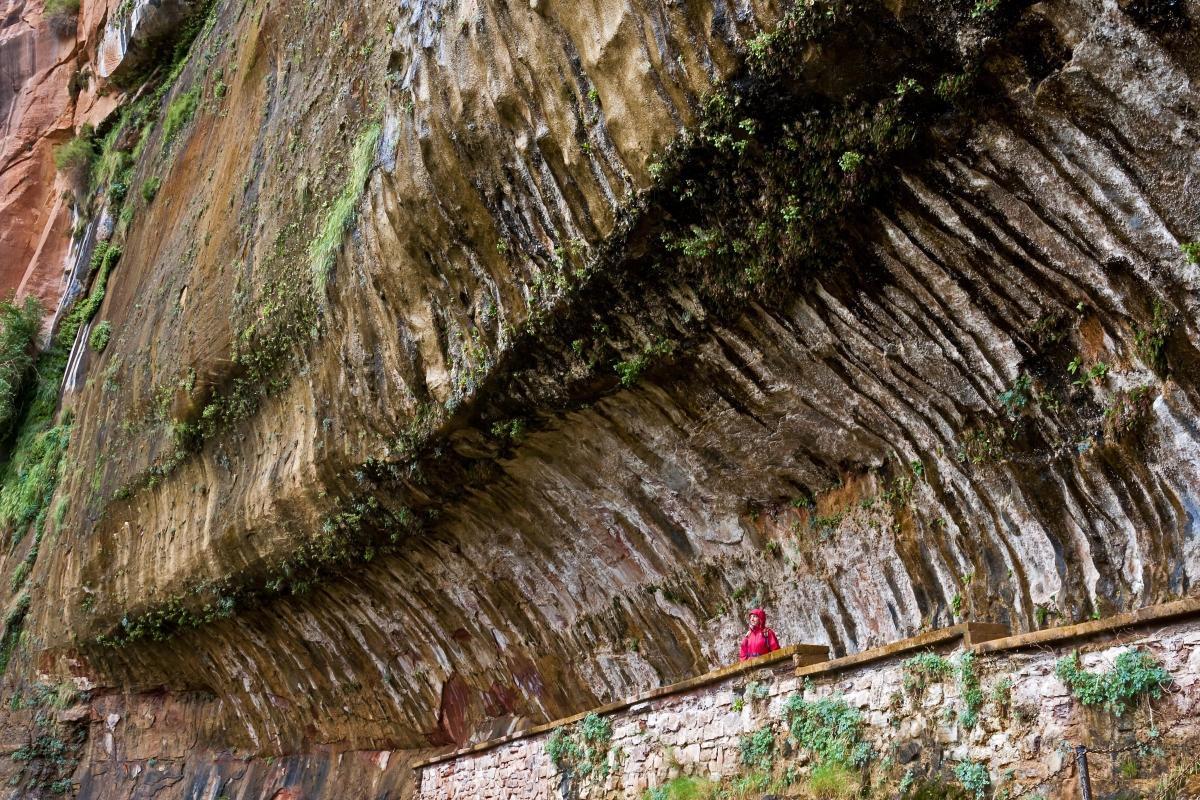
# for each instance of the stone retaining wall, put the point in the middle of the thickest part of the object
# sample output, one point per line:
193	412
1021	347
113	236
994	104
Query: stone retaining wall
1021	737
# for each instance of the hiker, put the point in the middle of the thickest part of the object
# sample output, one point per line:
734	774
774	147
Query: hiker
761	639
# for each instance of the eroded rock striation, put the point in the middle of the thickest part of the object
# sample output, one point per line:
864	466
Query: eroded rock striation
466	365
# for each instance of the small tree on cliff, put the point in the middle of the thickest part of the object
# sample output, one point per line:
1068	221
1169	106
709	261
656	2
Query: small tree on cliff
62	16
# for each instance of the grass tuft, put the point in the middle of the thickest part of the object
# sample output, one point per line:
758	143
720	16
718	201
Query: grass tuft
150	188
833	781
180	113
323	250
75	158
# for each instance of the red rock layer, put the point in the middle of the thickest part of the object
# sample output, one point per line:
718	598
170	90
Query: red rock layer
37	112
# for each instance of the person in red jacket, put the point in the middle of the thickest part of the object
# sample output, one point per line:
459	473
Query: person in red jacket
761	639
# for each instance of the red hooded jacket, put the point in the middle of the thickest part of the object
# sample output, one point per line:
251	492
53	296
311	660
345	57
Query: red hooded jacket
761	639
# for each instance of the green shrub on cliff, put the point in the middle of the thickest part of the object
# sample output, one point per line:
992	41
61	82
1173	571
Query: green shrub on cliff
62	7
81	312
562	748
30	471
14	621
74	159
850	161
150	188
19	326
30	474
100	336
31	478
114	165
924	669
970	690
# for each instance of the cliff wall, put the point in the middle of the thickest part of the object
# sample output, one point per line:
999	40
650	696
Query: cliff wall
466	365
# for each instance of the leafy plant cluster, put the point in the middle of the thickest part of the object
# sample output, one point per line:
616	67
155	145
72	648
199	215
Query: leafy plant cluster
1191	252
974	777
27	501
19	326
46	758
824	783
1149	339
164	621
1017	396
1093	374
1134	674
630	371
180	113
50	754
923	669
1127	410
104	258
928	667
757	750
582	748
683	788
751	693
100	336
830	729
969	689
14	623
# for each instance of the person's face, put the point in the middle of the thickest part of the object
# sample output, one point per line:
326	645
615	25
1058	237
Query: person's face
752	619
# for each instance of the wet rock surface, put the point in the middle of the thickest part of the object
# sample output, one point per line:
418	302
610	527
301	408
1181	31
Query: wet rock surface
567	451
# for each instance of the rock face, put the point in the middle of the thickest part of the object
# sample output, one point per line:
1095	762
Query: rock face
137	30
473	363
47	94
34	115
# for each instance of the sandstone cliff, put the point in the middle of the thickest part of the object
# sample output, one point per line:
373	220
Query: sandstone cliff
465	365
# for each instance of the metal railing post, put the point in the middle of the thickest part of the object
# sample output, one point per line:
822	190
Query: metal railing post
1085	781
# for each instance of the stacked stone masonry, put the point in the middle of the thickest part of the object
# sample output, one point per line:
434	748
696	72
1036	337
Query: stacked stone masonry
1024	743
